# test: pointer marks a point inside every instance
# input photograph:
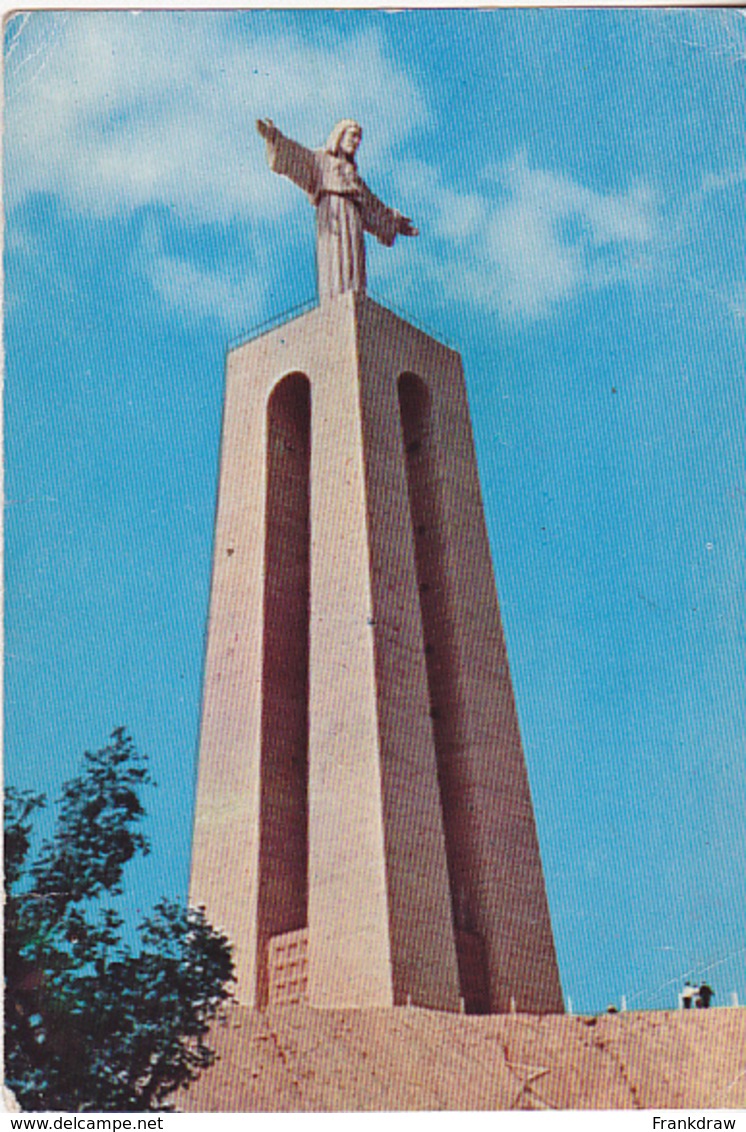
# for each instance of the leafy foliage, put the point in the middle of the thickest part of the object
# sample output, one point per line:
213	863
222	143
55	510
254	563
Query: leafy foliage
90	1026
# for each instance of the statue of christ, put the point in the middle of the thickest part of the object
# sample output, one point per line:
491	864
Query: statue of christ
345	206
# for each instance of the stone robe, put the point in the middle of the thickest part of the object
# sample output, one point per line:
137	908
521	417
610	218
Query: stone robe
345	210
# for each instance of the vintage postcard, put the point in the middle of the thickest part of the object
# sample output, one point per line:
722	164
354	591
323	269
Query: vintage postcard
374	491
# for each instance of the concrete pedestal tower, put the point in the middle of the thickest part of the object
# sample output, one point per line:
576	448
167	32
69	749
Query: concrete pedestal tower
364	830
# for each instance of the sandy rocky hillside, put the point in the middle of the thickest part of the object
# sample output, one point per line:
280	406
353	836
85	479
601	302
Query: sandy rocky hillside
294	1059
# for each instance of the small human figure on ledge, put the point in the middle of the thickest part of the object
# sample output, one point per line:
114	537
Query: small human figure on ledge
345	206
705	996
688	995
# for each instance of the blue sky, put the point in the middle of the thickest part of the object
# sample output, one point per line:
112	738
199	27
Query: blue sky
578	178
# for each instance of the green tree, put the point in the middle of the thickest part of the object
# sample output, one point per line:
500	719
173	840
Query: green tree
90	1025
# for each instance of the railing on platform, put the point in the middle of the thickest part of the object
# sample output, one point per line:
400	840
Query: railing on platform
272	323
297	311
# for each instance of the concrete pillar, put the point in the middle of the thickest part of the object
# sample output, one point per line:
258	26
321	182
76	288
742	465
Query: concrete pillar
357	693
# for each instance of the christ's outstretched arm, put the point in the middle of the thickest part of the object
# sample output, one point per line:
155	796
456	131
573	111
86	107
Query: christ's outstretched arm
289	158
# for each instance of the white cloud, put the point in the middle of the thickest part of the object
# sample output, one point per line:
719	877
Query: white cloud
736	301
112	113
115	112
196	292
719	182
530	238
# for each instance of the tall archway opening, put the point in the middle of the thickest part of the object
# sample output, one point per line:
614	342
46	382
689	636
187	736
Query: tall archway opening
283	834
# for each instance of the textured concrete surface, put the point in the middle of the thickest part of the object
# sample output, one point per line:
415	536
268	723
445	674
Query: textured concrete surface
293	1059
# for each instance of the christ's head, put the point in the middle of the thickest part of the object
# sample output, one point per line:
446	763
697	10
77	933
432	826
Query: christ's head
344	139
